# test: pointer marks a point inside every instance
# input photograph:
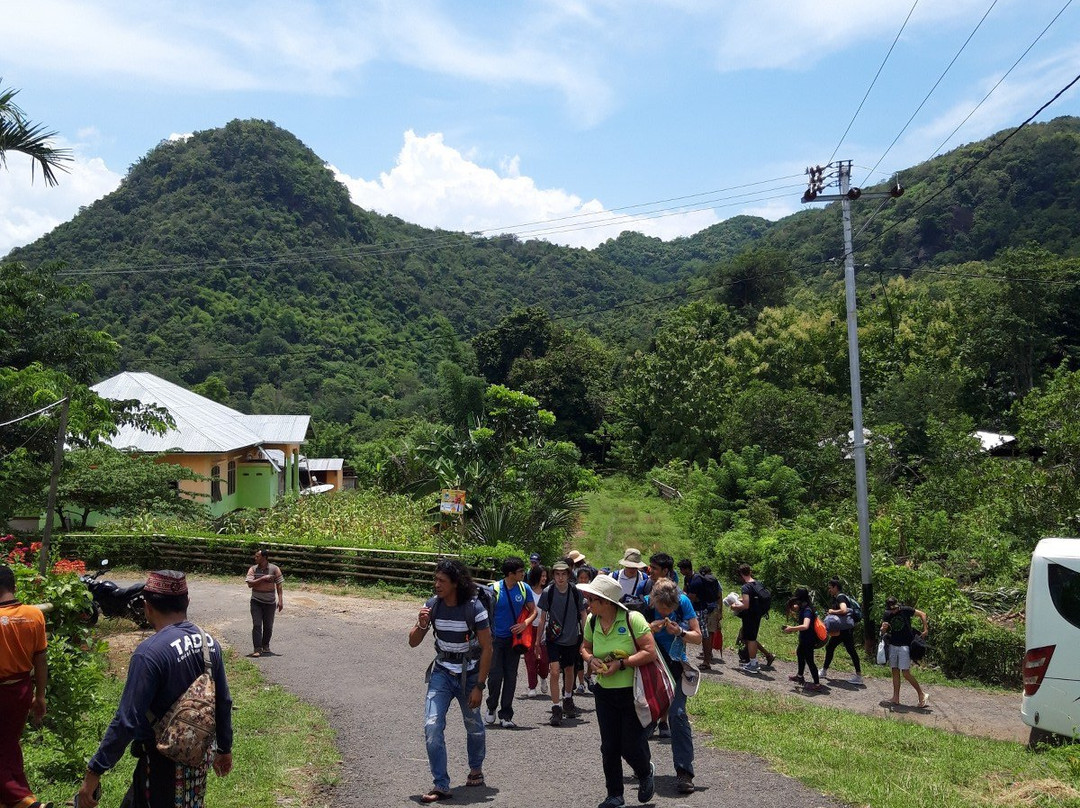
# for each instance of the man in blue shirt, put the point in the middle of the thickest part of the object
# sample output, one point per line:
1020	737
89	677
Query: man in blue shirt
513	609
161	669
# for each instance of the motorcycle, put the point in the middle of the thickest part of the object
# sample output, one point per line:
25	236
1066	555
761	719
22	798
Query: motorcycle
113	600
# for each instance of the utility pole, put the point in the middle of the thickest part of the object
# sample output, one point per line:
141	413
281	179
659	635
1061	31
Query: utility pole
847	195
58	465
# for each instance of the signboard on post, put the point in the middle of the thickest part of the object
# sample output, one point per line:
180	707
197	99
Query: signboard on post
452	501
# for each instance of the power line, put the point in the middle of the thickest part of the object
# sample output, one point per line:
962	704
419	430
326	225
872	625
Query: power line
932	89
999	81
874	80
953	180
538	229
34	413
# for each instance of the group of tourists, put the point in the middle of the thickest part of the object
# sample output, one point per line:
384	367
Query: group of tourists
581	629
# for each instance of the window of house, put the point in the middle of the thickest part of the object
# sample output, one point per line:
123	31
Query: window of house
215	484
232	477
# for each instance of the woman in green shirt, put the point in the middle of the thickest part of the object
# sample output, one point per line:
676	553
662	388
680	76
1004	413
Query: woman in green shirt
611	652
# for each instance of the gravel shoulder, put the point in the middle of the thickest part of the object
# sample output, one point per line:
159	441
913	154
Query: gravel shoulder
349	656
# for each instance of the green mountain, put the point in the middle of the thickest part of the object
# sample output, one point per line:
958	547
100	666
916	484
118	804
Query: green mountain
235	261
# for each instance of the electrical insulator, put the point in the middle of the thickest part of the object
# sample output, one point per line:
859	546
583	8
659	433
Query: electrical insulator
897	190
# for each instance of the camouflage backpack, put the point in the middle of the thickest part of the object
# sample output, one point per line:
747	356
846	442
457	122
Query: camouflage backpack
185	733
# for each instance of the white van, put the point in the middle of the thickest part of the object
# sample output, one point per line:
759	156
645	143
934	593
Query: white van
1051	704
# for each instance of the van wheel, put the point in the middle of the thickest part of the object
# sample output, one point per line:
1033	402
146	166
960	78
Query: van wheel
1042	737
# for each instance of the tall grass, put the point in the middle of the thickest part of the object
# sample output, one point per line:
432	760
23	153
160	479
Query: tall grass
623	513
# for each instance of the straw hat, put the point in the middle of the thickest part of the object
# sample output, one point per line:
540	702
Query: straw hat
606	587
632	558
575	556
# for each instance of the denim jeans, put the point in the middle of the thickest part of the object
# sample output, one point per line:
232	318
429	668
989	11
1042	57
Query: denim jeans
682	744
443	688
502	680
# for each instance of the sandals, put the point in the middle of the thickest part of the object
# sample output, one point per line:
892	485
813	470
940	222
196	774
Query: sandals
475	779
254	655
925	703
435	795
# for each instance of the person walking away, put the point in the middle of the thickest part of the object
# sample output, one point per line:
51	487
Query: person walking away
703	590
23	675
897	625
265	581
513	609
840	608
562	610
160	671
750	610
617	641
674	625
802	610
536	658
462	661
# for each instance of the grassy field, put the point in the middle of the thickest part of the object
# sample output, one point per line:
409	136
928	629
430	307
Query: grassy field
625	514
275	762
884	764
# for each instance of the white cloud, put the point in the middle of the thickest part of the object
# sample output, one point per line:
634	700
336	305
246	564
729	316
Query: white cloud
31	210
308	47
436	186
798	33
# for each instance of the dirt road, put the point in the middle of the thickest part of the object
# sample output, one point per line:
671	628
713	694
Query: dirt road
350	657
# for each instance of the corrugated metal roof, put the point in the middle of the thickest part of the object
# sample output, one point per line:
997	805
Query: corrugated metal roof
325	463
202	425
279	428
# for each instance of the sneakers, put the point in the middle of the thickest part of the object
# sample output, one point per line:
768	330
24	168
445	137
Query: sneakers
663	731
556	715
797	678
612	802
684	783
543	687
506	723
750	667
489	718
569	709
580	689
824	673
530	693
813	687
769	659
855	680
647	787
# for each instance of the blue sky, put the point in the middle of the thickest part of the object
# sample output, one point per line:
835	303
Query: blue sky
485	116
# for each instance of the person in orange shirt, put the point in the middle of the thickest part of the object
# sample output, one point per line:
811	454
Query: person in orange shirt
23	672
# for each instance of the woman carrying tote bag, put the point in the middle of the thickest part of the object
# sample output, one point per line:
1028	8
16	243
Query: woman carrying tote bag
611	653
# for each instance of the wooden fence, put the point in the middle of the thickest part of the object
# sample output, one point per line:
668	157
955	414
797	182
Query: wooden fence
411	568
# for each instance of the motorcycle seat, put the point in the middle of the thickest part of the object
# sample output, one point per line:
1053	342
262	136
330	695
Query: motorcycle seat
124	592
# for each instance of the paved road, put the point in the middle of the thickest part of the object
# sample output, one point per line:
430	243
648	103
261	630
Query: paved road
350	657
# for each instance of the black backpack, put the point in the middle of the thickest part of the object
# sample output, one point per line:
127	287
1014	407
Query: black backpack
710	591
760	599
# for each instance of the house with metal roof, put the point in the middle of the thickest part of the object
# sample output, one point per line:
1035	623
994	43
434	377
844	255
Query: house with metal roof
247	461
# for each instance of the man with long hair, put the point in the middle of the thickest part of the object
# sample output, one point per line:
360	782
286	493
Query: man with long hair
459	672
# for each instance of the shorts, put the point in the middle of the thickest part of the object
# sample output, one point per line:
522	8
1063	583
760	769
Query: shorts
750	625
714	621
900	657
566	656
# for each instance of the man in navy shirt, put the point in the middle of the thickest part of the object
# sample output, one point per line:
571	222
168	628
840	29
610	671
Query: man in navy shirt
161	669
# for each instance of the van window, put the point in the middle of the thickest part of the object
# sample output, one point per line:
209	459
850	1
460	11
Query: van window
1065	591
